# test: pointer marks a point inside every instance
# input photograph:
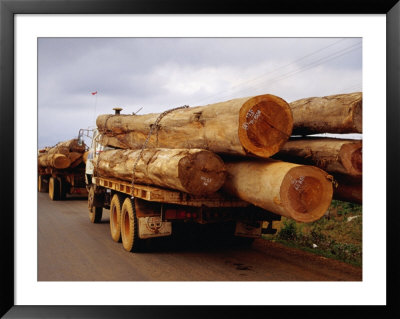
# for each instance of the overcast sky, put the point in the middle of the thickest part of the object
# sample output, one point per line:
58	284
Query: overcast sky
161	73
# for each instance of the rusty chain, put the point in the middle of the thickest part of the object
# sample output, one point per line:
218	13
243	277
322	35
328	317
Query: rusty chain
152	128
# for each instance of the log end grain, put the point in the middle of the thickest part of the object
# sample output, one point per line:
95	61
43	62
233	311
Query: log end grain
351	158
306	193
357	116
60	161
265	124
201	173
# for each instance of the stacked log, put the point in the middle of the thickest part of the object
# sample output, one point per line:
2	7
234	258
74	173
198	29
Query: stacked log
256	126
194	171
68	154
341	113
300	192
334	155
348	189
59	161
341	157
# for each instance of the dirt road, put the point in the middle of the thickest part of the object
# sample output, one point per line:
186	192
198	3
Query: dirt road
70	248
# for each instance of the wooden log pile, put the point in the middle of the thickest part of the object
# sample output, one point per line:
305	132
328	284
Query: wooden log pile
340	156
64	155
229	145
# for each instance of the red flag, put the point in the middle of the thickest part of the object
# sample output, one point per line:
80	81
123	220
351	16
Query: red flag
94	93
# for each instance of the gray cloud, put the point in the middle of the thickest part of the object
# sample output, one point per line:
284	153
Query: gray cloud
160	73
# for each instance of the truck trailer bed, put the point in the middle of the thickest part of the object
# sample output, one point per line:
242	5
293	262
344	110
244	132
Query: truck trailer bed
162	195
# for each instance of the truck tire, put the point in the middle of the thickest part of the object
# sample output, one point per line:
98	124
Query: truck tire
129	227
115	217
54	189
63	189
43	185
95	213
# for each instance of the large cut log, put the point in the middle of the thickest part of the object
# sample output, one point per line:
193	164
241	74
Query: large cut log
341	113
300	192
257	125
67	147
348	189
333	155
85	156
59	161
63	155
193	171
73	156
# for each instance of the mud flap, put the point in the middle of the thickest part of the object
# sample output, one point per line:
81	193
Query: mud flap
248	229
150	227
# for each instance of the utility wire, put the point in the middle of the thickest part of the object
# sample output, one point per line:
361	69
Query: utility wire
279	68
295	72
323	59
302	69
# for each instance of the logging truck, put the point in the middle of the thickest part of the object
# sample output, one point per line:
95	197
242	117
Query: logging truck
61	170
59	183
139	211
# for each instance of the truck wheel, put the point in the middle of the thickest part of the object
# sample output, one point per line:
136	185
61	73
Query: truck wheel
63	189
43	185
115	217
54	189
95	213
129	226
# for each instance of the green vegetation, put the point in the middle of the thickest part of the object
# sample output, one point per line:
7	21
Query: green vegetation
337	235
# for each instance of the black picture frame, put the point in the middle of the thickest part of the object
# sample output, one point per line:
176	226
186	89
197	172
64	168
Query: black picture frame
8	9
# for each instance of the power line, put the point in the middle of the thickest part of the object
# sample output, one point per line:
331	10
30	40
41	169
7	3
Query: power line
293	72
279	68
299	70
306	67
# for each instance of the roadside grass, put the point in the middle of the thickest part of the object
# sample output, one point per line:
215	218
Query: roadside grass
336	235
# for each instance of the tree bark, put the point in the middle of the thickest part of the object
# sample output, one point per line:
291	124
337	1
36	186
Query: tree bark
67	147
194	171
74	156
348	189
59	161
333	155
258	125
340	113
85	156
300	192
